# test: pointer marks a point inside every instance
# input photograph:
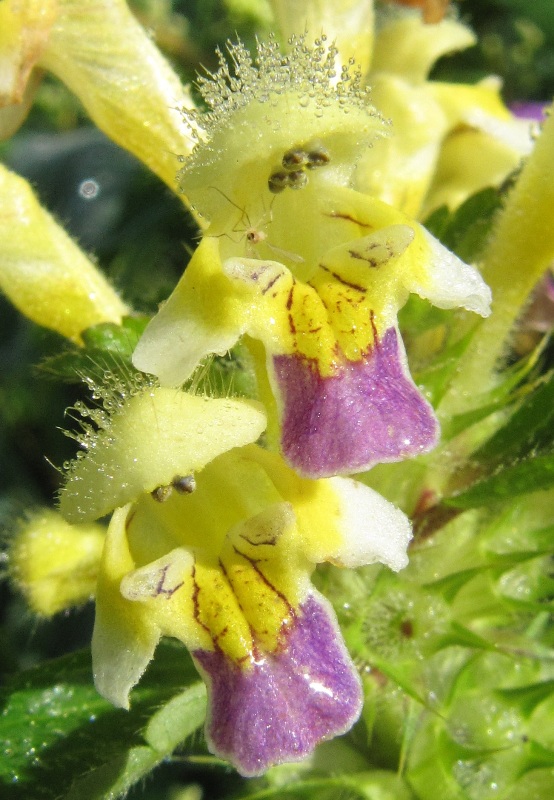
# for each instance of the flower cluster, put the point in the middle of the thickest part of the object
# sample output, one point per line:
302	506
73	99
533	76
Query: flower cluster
308	200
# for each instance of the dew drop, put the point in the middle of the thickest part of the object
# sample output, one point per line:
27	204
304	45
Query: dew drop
89	189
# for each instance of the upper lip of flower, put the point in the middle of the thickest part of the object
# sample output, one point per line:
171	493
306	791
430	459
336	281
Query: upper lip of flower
155	435
339	378
263	110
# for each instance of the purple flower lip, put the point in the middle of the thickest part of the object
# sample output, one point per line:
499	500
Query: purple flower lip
369	412
281	705
530	110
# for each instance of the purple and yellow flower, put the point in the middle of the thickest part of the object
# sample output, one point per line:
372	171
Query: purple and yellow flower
315	271
212	542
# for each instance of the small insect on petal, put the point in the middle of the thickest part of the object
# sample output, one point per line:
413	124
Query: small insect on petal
294	158
254	236
278	181
297	179
184	484
318	157
161	493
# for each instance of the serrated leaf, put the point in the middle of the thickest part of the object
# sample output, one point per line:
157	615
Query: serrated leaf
528	475
451	584
120	339
530	427
527	698
465	230
460	636
107	348
65	741
436	377
510	390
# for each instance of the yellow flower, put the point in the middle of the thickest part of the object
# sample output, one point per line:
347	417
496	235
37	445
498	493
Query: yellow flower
107	59
104	56
446	140
24	30
53	563
43	272
436	126
212	542
294	258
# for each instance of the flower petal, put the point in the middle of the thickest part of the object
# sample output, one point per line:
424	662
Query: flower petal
339	519
349	25
470	160
53	563
200	317
372	529
450	283
425	267
43	272
24	29
368	412
399	169
101	52
288	701
124	637
155	436
406	46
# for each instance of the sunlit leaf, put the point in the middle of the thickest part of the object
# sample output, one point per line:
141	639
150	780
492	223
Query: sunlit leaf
62	740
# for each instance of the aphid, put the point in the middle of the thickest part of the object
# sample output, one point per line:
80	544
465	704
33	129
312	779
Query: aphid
295	158
297	179
318	157
278	181
162	493
296	161
184	484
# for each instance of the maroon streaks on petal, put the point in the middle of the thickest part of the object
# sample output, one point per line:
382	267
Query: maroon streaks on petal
344	282
278	708
368	412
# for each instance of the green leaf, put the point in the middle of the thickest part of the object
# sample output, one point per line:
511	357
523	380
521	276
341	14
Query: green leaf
465	231
437	376
511	389
107	348
527	698
528	475
460	636
530	427
437	222
375	785
65	742
230	375
120	339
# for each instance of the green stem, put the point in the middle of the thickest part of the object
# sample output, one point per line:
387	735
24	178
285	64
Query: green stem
519	252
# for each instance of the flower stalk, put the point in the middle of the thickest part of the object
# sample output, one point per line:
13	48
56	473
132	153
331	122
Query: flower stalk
520	250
